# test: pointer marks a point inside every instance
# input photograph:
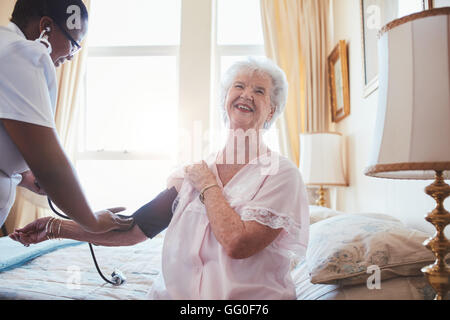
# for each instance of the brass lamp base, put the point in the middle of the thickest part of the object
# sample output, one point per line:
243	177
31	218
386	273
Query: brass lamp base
438	274
321	201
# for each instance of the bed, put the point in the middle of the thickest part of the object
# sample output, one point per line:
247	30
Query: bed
373	256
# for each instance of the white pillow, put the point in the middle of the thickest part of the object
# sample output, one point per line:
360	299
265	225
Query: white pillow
341	249
318	213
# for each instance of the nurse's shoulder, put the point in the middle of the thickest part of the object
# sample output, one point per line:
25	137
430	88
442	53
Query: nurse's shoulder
14	49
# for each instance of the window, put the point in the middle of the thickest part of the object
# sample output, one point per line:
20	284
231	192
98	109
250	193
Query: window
153	69
130	100
135	23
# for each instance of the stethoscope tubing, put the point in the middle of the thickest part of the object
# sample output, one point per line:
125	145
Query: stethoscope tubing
90	245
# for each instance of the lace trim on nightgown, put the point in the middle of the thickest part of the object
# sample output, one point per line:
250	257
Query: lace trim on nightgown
273	220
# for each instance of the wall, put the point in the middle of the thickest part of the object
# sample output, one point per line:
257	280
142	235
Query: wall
405	200
6	8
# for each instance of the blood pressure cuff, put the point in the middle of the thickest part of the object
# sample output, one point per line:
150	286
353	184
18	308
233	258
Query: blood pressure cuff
156	215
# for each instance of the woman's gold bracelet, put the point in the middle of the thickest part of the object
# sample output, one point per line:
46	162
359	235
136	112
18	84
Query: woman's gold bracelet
201	196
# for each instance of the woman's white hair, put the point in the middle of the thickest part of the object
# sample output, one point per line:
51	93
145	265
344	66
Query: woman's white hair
279	93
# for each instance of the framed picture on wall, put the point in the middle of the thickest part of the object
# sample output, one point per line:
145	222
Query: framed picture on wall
430	4
374	15
338	82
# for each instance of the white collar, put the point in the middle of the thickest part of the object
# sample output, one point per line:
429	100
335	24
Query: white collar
14	28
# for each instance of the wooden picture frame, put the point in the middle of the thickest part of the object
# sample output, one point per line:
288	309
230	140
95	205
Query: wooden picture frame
433	4
338	82
374	15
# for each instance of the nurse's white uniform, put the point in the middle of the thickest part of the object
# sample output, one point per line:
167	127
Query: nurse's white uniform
27	93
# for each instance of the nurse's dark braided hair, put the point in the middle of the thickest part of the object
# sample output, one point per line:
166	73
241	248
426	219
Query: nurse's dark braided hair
28	10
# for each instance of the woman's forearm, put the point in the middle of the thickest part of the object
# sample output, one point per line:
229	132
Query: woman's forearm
240	239
71	230
226	224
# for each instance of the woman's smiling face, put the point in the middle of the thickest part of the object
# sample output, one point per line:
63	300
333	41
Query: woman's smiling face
248	102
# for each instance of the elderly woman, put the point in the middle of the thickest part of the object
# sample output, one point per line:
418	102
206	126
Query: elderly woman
235	224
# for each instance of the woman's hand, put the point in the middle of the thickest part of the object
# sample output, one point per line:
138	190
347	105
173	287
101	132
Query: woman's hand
199	175
32	233
29	181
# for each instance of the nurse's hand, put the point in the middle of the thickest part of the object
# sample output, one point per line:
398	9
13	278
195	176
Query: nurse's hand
107	220
29	181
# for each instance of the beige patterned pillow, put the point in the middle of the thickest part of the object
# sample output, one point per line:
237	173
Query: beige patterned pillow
342	248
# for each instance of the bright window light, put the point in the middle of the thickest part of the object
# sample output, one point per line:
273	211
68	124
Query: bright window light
239	22
134	22
127	145
132	103
118	183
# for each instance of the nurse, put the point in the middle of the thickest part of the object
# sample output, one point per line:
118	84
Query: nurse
42	35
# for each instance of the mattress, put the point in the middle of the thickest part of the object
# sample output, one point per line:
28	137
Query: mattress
67	272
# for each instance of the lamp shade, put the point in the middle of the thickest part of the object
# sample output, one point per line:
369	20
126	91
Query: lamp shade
412	133
321	159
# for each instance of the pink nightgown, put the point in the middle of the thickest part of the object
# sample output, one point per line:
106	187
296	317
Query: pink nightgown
196	266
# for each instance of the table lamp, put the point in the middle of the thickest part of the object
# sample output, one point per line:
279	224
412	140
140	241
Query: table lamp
321	161
412	132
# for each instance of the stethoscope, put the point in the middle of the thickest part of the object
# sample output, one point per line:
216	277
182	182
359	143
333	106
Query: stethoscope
117	277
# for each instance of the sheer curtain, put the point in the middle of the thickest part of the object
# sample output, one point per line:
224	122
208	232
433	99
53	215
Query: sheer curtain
28	205
296	34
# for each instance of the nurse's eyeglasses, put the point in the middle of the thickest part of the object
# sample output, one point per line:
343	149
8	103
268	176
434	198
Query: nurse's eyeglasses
75	46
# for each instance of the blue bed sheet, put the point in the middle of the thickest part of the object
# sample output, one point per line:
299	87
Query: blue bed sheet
13	254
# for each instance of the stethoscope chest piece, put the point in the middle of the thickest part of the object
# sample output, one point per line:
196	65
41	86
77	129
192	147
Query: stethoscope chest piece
118	278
